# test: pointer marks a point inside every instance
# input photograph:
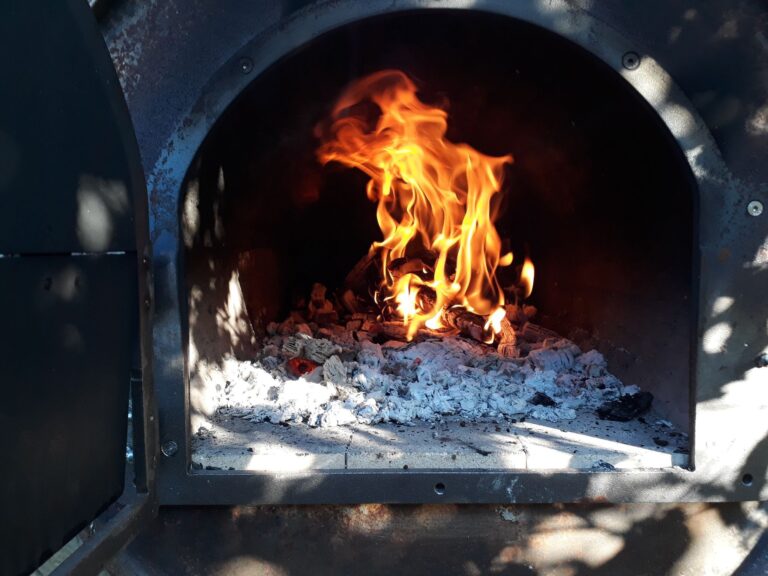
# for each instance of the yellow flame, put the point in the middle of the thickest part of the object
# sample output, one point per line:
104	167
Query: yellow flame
526	277
494	320
435	323
433	195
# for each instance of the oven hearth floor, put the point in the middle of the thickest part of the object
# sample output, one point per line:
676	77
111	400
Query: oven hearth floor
581	444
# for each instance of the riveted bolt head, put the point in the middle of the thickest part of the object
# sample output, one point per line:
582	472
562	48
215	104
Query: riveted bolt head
245	65
169	448
755	208
630	60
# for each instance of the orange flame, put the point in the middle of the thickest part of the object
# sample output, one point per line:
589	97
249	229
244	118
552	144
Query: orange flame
433	195
526	277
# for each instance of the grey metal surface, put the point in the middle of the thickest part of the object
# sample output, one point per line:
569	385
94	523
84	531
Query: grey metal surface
575	540
69	325
73	230
703	68
756	564
65	182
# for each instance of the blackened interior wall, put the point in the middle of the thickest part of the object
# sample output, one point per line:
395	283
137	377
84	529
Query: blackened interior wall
599	195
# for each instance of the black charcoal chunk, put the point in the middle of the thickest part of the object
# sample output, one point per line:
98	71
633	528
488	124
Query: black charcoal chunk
541	399
626	408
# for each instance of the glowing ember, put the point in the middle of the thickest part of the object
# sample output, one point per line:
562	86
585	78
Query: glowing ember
434	196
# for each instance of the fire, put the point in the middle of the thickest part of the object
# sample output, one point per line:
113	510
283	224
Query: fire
526	277
434	196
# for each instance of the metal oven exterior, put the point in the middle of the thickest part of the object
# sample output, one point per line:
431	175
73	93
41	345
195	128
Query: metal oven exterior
182	63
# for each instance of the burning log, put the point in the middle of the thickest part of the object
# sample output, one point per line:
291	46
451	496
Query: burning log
520	314
349	301
456	317
508	345
321	309
467	323
396	330
510	350
353	325
535	333
392	330
365	276
422	265
473	325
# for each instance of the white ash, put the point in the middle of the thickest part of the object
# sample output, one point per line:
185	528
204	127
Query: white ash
359	381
